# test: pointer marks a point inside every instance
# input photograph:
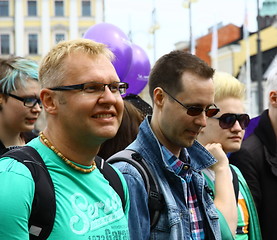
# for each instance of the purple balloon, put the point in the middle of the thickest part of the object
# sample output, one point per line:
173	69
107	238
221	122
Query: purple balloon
138	74
117	41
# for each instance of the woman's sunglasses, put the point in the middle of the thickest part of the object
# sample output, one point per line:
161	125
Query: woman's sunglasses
227	120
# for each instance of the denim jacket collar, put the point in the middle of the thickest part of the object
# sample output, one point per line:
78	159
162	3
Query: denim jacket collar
146	139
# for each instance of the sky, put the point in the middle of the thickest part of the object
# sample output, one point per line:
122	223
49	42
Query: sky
172	17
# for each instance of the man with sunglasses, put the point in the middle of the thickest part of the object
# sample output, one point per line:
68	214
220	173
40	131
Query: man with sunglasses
82	97
182	91
257	160
222	135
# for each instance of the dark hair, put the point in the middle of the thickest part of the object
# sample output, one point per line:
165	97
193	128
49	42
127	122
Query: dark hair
127	132
169	69
139	103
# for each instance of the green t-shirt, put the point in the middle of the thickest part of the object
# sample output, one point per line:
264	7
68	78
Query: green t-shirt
88	208
248	224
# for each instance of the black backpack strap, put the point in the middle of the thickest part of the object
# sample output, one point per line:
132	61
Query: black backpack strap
111	175
235	183
155	197
44	204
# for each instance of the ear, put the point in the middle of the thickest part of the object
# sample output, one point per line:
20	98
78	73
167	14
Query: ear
273	98
49	100
158	96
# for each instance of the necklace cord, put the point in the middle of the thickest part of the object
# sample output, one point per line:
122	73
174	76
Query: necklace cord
66	160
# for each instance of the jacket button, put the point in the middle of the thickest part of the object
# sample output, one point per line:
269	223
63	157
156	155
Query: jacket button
185	167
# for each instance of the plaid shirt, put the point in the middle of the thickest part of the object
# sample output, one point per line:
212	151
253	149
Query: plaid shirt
181	167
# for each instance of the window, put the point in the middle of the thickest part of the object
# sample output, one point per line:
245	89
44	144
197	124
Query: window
5	44
4	8
58	8
86	8
32	8
59	37
33	44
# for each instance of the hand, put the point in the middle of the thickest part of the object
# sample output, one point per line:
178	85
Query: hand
217	151
225	199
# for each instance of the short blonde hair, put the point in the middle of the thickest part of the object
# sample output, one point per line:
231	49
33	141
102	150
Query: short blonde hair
228	86
52	68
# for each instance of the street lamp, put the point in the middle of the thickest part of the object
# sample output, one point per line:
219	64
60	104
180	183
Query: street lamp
103	11
187	4
152	30
259	61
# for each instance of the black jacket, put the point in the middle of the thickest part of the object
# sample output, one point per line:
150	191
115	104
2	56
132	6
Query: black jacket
257	160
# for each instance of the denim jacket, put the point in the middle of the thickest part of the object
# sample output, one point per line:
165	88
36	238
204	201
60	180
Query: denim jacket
174	221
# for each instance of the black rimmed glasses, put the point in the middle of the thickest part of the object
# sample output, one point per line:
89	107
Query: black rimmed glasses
29	102
227	120
195	110
95	87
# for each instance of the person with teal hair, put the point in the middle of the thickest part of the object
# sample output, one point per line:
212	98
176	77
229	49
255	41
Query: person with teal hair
222	135
20	105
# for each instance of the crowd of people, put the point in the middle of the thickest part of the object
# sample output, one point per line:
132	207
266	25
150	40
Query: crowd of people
214	182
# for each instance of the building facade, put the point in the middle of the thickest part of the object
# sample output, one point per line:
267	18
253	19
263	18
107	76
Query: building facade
29	28
247	56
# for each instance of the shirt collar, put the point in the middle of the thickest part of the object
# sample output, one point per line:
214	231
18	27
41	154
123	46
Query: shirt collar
178	165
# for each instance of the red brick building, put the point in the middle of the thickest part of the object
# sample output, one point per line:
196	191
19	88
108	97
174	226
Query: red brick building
226	34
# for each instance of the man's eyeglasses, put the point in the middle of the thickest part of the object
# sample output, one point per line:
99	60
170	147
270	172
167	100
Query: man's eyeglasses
95	87
194	110
227	120
29	102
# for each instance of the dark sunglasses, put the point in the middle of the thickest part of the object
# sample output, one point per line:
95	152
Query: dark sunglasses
194	110
227	120
29	102
95	87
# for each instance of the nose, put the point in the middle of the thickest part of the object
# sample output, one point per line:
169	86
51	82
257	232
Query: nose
236	127
107	96
36	108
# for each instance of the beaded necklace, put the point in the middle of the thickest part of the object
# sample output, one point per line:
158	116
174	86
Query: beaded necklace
66	160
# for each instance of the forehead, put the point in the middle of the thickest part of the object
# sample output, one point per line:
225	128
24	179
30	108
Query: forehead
231	105
196	89
30	86
85	68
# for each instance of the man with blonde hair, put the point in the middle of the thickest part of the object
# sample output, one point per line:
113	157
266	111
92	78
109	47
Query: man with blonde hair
222	135
81	94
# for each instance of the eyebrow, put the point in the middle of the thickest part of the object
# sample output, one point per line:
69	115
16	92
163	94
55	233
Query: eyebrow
30	96
198	105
